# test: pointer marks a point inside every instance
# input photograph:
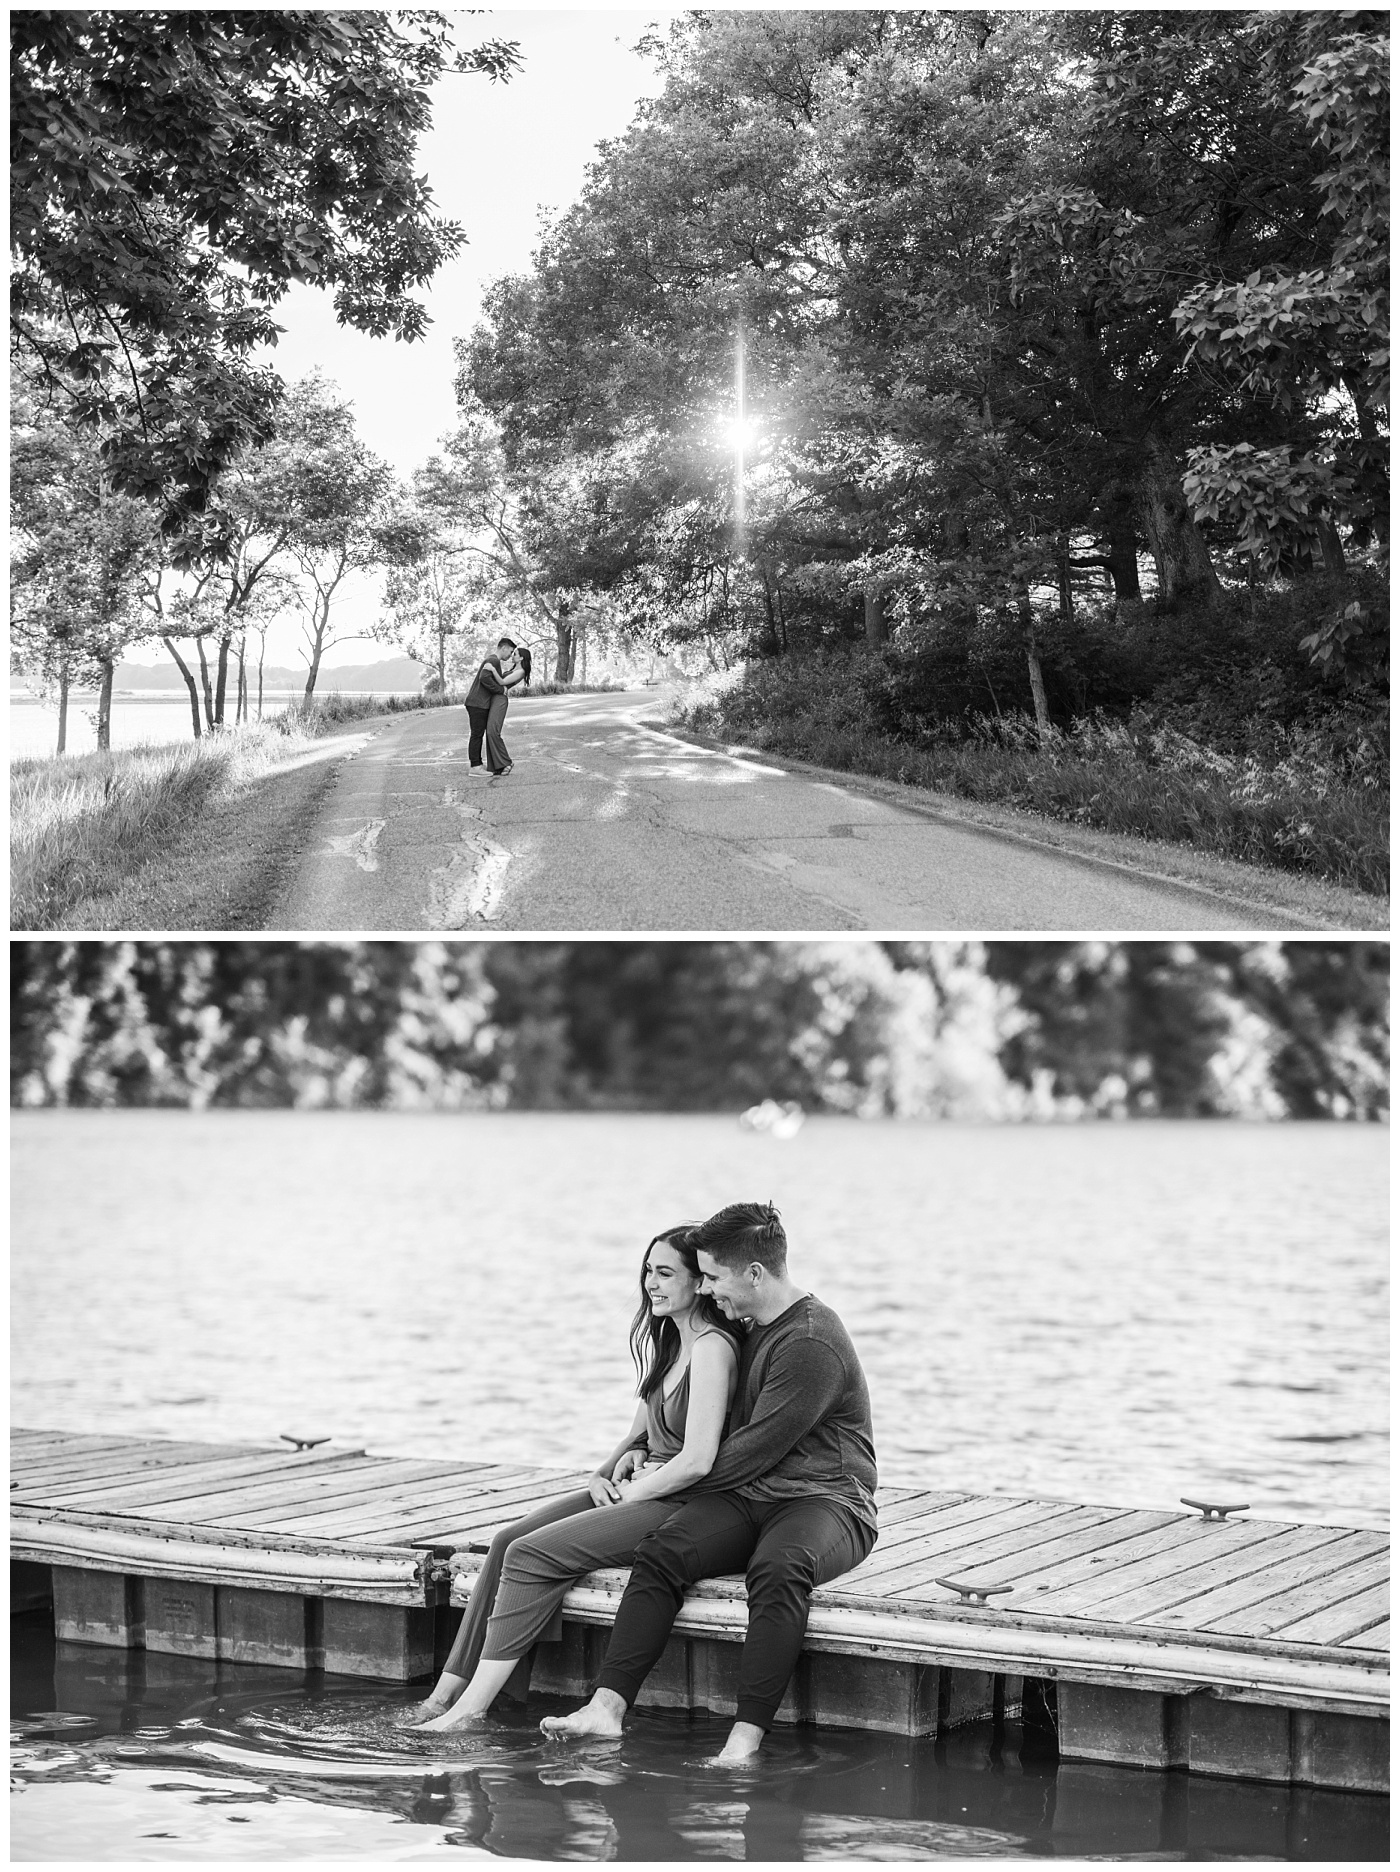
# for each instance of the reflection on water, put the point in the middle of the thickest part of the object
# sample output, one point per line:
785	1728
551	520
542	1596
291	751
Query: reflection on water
139	1757
1122	1314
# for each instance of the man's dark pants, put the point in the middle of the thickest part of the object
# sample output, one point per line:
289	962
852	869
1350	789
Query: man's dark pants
786	1547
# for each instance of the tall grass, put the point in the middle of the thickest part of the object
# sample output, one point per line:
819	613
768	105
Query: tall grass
80	825
1300	810
329	710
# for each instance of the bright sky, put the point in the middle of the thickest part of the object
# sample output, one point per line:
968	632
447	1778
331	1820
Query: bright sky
496	155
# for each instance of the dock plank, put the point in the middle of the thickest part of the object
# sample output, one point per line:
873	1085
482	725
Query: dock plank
456	1486
1161	1535
60	1440
1151	1600
970	1514
186	1496
190	1478
418	1520
1053	1549
270	1495
1301	1561
58	1465
1279	1612
1373	1638
1200	1543
438	1531
1333	1625
980	1548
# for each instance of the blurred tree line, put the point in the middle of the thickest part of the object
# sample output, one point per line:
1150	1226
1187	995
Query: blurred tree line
910	1029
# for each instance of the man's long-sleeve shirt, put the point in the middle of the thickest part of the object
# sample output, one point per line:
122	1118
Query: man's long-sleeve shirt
488	683
800	1421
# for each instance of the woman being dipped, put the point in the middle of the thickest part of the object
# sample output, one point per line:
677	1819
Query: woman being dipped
685	1352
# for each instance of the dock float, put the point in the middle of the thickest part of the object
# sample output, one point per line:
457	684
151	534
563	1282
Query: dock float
1218	1643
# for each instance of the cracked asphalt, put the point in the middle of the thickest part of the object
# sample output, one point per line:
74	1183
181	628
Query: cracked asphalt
605	824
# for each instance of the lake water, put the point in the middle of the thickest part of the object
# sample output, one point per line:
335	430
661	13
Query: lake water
1121	1314
156	719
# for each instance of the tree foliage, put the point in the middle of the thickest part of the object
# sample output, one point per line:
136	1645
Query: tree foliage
913	1029
992	272
173	173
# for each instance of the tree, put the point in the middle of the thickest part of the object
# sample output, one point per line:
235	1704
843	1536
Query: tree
173	173
81	556
1295	333
307	501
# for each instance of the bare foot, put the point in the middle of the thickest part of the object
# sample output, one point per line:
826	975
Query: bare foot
418	1713
602	1717
741	1748
460	1716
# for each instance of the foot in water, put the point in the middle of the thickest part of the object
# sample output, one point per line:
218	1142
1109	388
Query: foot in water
460	1716
745	1740
602	1717
418	1713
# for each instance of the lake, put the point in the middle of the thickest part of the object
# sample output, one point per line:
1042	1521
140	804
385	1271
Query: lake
1120	1314
155	719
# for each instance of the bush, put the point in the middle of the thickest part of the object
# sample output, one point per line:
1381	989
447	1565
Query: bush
1308	794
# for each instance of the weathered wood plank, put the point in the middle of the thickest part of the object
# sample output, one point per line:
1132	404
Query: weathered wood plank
415	1520
1282	1611
457	1487
1023	1562
1152	1600
929	1523
429	1529
187	1480
55	1440
216	1506
1302	1560
1333	1625
111	1458
1373	1638
1200	1543
980	1549
1159	1536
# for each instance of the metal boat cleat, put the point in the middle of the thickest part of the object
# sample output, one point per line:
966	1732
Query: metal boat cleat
304	1442
1214	1511
970	1592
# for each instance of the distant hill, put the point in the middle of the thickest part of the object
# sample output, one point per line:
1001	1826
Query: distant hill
400	673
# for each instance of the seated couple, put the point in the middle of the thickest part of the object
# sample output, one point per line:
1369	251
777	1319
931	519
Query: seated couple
750	1451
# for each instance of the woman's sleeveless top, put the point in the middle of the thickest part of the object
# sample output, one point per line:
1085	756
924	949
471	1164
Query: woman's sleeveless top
666	1417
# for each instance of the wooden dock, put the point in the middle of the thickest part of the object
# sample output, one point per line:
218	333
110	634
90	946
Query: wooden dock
1239	1647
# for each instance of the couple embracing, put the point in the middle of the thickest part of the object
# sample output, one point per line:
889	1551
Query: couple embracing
751	1451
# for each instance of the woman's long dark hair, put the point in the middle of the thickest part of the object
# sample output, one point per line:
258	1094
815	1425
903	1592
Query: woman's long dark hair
525	661
656	1342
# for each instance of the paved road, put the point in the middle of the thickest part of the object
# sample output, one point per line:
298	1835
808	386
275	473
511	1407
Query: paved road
605	824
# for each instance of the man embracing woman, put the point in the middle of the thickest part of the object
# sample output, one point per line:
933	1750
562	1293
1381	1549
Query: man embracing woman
751	1451
488	699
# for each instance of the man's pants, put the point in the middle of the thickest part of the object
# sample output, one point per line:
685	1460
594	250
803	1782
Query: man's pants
486	724
787	1547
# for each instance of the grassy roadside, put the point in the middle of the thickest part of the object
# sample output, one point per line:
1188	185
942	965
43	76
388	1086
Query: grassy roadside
194	836
1267	898
1309	803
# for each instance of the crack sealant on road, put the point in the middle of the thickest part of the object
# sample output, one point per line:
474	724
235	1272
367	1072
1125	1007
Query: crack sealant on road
467	889
359	845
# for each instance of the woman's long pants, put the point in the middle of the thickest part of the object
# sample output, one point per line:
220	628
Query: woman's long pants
531	1564
486	725
787	1546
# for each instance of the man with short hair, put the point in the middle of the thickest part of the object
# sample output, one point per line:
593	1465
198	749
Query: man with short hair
791	1496
486	709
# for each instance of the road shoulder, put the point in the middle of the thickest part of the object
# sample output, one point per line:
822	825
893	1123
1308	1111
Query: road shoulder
1265	899
227	869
